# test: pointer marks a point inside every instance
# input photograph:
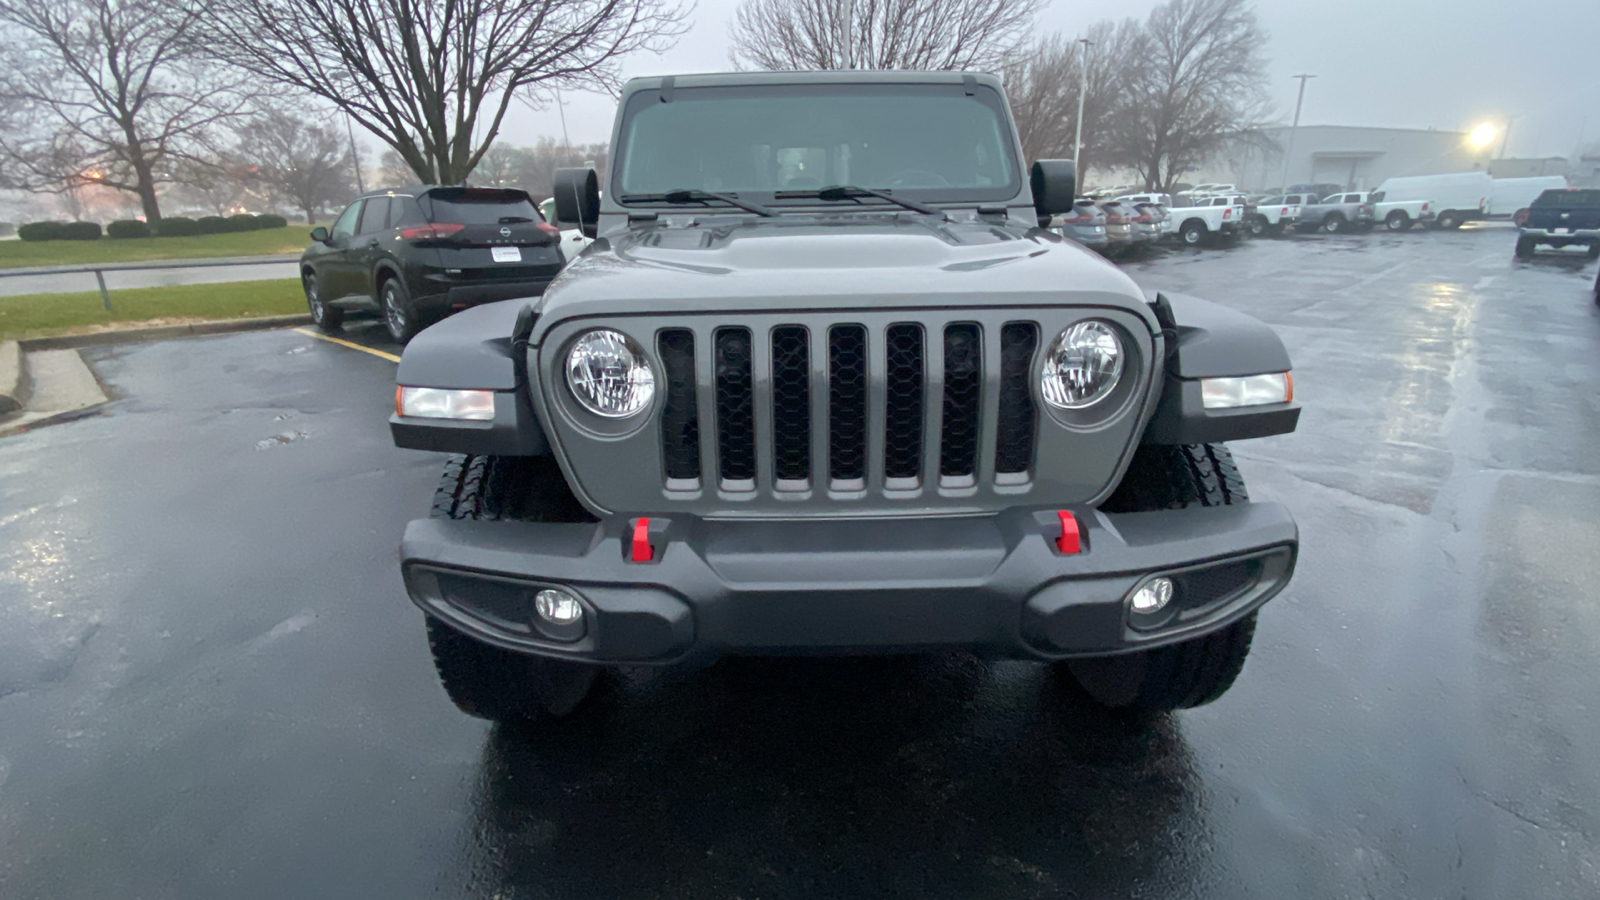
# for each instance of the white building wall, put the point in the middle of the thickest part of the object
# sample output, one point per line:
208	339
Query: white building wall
1354	158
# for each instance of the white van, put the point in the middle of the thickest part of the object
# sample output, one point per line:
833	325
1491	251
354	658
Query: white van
1456	198
1513	196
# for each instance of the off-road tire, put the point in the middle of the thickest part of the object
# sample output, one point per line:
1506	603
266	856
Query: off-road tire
1196	671
323	315
1526	247
483	680
395	307
1397	221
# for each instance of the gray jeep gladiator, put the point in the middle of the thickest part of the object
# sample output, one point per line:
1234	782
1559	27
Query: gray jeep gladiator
825	382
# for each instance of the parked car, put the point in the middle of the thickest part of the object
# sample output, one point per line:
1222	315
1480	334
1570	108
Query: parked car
1158	214
1559	219
1146	226
1512	196
572	238
1344	212
747	433
418	254
1119	226
1455	199
1085	224
1272	215
1197	219
1399	215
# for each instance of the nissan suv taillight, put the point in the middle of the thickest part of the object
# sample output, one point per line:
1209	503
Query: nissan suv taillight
432	232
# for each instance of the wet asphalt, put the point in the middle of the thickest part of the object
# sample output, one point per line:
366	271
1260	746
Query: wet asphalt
212	685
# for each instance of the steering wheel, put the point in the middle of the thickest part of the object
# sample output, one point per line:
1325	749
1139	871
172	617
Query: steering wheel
898	179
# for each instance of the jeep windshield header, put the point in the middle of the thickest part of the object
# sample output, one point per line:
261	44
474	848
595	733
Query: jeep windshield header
928	142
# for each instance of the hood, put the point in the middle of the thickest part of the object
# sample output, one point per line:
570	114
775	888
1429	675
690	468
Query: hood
684	264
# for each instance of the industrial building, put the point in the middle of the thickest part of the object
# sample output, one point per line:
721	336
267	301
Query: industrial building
1352	157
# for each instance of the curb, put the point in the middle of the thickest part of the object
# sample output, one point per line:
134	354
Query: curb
161	333
7	430
14	381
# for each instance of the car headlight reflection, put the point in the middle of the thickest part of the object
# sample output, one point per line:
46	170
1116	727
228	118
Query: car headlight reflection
609	375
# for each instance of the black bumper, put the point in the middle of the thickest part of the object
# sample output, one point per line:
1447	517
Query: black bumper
996	585
441	298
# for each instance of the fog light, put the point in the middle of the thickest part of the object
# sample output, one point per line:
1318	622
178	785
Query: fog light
557	606
1152	597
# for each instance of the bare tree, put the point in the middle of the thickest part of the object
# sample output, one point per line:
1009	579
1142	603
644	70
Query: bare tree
393	171
106	92
881	34
1199	82
1042	84
433	78
300	162
216	185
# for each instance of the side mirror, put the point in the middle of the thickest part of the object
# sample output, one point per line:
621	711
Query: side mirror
1053	182
319	234
577	193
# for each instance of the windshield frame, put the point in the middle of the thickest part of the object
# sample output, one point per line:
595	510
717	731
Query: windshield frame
983	93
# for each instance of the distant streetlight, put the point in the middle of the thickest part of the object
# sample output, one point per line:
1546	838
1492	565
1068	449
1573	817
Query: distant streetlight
1083	89
1482	135
1289	151
1506	141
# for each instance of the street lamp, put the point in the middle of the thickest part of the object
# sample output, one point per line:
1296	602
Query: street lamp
1083	90
1482	135
1288	152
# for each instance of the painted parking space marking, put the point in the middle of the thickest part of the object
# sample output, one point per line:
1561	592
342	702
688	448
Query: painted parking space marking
351	344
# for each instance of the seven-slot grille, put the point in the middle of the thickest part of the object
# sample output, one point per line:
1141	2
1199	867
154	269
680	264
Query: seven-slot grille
795	404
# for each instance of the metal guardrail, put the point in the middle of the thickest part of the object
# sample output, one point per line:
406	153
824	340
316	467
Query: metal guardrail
148	265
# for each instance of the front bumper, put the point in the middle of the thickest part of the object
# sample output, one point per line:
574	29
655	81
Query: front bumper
995	585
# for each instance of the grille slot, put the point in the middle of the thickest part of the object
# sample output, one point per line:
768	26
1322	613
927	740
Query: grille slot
847	403
791	403
736	427
1015	418
963	387
903	402
680	416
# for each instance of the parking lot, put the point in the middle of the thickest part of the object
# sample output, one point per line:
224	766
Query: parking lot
213	685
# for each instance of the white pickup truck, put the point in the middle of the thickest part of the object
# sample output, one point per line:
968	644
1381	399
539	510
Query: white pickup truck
1398	215
1194	219
1273	215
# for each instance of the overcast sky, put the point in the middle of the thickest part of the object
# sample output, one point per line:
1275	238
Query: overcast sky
1445	64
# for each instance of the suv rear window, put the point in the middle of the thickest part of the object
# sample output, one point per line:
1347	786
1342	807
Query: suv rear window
1568	198
478	206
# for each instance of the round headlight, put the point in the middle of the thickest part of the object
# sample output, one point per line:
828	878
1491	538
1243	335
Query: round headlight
1082	367
609	374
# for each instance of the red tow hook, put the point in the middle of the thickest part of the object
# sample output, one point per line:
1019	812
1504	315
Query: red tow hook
641	541
1068	541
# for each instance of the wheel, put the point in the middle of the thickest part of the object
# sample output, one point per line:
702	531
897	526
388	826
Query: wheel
1333	224
1196	671
397	315
1193	233
1594	251
1258	227
1526	246
1397	221
485	681
1448	219
324	316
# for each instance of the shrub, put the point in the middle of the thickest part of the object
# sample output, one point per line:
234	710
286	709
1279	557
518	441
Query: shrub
81	231
178	226
41	231
128	228
271	220
244	222
212	225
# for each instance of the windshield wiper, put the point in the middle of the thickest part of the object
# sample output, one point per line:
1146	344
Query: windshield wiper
684	195
851	192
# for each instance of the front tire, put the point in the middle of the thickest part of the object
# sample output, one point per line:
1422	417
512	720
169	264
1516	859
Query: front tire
1193	672
398	317
483	680
323	315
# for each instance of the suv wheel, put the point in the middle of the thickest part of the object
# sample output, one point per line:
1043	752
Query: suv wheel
324	316
1196	671
1333	224
1397	221
485	681
397	315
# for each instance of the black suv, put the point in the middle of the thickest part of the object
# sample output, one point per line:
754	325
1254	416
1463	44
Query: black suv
419	254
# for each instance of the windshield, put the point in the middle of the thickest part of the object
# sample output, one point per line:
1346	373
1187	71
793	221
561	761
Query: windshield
927	142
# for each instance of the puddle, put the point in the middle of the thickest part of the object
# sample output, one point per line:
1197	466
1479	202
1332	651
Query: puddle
287	437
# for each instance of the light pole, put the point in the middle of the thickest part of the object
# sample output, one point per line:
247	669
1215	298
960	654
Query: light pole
1510	120
849	37
1083	89
354	158
1297	104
